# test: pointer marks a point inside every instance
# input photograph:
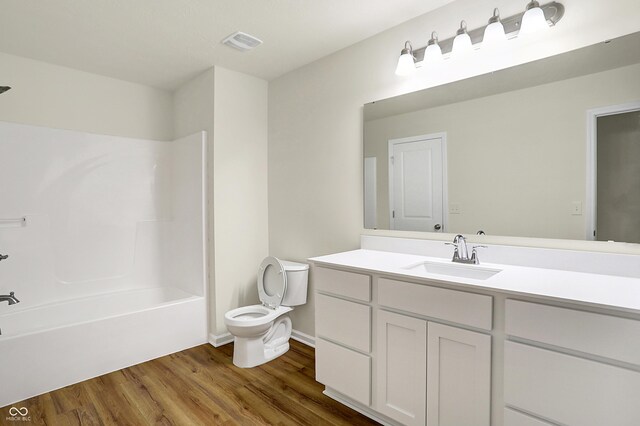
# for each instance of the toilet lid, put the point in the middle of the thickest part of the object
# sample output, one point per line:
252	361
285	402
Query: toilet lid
272	282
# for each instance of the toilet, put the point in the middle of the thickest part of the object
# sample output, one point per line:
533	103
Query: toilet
261	332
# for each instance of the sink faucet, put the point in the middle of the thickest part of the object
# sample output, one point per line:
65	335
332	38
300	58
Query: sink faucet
10	298
461	253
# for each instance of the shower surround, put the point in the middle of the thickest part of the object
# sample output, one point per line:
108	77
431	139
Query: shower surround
106	244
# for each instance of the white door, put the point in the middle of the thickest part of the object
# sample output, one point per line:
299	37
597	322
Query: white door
416	183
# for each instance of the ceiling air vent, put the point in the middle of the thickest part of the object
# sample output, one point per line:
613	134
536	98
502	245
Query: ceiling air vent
242	41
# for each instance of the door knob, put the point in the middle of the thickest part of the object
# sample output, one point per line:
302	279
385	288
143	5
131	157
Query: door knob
437	227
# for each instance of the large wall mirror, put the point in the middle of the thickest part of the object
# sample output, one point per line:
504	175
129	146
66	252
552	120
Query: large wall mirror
548	149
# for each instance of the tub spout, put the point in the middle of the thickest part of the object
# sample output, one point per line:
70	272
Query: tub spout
10	298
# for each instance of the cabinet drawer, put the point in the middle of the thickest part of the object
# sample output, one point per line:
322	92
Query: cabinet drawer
348	284
344	370
568	389
603	335
344	322
461	307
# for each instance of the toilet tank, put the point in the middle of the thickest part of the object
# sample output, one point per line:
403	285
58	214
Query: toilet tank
297	280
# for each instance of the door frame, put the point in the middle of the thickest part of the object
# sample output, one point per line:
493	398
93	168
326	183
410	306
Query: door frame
445	186
591	199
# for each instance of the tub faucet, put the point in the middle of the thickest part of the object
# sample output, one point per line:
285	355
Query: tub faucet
10	298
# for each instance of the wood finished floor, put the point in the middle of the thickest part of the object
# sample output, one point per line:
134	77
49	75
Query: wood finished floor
198	386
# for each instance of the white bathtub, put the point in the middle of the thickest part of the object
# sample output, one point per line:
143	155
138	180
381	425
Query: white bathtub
51	346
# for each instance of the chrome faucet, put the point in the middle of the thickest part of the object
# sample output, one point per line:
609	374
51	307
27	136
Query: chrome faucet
4	256
10	298
461	253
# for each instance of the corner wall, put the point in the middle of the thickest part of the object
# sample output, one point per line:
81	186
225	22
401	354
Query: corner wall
315	123
232	108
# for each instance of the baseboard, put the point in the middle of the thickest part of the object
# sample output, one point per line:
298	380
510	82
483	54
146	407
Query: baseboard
303	338
337	396
222	339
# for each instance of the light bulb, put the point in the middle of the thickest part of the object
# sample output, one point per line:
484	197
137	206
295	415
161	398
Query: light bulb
533	20
433	53
462	45
494	35
406	61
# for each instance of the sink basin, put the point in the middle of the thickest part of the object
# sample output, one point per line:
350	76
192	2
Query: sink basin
454	270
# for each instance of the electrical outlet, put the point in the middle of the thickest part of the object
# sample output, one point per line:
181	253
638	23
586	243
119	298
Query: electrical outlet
454	208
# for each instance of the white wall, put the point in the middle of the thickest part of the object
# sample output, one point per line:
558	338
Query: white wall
315	121
193	106
49	95
240	189
232	108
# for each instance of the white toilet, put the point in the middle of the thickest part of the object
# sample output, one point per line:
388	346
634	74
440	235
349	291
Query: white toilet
262	332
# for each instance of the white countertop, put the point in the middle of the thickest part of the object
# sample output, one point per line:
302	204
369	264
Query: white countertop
605	291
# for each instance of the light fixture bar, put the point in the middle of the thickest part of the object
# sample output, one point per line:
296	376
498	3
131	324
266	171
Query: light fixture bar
553	12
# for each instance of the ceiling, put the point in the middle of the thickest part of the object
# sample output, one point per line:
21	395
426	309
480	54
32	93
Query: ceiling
163	43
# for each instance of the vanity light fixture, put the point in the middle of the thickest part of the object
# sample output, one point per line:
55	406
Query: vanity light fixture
496	32
494	35
433	54
533	20
462	42
406	62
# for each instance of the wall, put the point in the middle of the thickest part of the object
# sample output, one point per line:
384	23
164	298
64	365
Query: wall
49	95
315	122
518	175
232	108
193	105
240	189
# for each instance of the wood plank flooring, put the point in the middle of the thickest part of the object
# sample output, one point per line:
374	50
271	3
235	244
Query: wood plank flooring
198	386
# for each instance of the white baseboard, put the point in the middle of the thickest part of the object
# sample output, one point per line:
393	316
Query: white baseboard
383	420
223	339
303	338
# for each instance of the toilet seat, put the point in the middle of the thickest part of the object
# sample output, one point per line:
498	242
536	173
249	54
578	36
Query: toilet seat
272	282
249	316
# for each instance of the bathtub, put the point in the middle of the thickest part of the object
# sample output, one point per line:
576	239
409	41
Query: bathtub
50	346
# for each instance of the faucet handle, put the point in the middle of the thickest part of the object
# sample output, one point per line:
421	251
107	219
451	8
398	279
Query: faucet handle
4	256
474	254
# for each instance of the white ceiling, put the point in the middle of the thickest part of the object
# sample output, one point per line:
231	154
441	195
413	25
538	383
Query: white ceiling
163	43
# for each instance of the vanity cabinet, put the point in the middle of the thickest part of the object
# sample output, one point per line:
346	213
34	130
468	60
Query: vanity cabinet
572	367
343	331
430	373
380	343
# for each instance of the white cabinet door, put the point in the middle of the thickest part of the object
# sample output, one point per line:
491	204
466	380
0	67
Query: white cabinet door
401	367
458	377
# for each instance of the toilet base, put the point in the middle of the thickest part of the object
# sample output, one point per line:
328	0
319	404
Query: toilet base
253	351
